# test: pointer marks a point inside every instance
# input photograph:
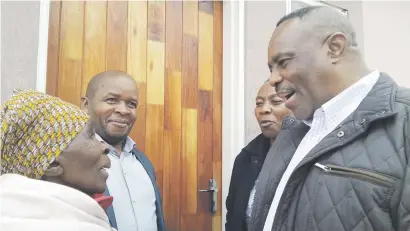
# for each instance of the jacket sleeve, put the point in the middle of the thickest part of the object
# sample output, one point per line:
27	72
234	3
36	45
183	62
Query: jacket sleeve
403	209
230	200
404	204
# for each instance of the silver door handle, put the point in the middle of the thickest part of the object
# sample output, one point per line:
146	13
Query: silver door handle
213	197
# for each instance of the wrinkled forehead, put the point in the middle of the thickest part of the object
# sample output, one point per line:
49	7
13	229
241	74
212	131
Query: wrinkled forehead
266	91
286	37
119	85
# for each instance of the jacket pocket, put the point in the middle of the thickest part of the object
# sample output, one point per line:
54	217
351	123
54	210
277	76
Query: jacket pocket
360	174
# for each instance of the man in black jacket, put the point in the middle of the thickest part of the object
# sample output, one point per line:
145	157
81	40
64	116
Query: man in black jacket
345	165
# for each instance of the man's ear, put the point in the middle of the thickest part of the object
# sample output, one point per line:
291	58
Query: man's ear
85	102
337	44
54	170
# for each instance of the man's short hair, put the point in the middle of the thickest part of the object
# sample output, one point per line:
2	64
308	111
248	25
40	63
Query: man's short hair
300	13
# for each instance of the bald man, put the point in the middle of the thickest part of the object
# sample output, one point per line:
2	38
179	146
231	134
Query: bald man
344	164
111	100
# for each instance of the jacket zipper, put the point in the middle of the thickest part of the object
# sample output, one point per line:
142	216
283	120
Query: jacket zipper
366	175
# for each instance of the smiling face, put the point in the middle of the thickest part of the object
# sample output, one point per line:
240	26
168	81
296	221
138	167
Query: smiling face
113	108
299	67
270	111
82	165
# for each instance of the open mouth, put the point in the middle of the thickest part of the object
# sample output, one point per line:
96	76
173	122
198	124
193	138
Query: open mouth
286	93
265	123
105	167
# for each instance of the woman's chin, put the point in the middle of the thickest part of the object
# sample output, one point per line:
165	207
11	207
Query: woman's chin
100	188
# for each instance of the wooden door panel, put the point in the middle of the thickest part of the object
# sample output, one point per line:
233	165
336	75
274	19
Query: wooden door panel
95	24
137	64
205	158
71	51
217	110
173	50
205	49
189	171
53	48
156	21
117	32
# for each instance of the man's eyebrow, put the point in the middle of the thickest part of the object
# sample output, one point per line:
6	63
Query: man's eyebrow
111	94
279	55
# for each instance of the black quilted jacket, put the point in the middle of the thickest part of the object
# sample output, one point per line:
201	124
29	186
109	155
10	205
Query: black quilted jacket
356	178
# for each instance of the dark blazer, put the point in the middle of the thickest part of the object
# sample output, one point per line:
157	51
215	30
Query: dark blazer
244	174
158	202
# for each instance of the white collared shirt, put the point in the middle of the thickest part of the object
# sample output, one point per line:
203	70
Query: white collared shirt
325	120
132	189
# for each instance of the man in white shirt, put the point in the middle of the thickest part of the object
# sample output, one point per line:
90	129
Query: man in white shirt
345	164
111	101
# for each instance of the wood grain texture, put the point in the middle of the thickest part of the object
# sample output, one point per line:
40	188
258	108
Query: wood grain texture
189	72
94	40
138	131
217	110
53	48
156	21
117	41
137	64
190	223
190	17
137	41
205	161
189	171
173	35
205	51
71	51
155	139
173	112
155	72
206	6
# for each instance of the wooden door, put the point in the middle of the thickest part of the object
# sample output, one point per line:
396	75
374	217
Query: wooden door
173	49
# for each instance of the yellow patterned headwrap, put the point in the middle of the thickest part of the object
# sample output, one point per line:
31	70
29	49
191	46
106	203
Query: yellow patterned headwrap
35	129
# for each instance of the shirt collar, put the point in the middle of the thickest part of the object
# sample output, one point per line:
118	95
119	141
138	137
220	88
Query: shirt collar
128	146
354	94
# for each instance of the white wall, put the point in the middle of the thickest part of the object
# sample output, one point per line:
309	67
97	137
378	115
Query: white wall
386	30
260	22
19	45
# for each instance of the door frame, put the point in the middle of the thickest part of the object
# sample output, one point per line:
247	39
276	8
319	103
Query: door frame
42	52
233	96
233	91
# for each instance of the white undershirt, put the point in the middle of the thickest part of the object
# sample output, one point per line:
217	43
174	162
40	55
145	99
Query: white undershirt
325	120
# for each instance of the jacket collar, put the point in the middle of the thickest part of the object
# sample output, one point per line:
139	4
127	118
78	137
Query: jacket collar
377	105
258	146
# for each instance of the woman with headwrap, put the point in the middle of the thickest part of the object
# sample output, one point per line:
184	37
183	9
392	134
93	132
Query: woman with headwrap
51	166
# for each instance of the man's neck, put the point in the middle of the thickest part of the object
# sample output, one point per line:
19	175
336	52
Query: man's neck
118	148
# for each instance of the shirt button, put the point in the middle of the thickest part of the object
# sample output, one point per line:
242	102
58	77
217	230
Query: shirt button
340	134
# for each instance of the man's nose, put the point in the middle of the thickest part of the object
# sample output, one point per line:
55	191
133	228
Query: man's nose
122	108
266	109
275	78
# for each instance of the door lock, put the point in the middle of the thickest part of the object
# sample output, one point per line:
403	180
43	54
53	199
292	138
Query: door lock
213	196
